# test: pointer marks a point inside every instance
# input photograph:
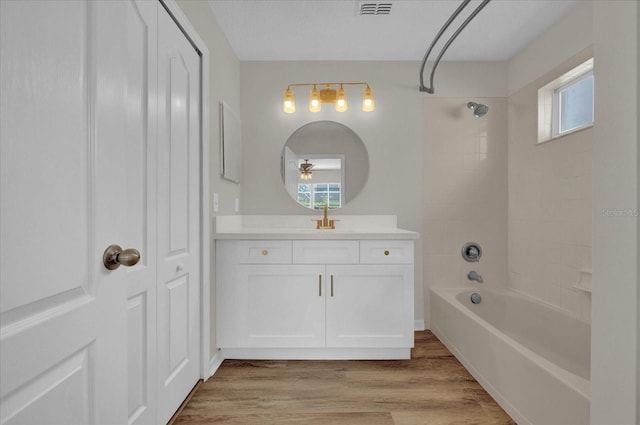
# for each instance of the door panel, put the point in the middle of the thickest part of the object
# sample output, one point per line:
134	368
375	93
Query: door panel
178	97
178	217
62	315
138	351
141	189
178	320
53	203
63	386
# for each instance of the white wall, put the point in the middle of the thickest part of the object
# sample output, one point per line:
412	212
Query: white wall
565	38
392	133
550	203
224	84
615	331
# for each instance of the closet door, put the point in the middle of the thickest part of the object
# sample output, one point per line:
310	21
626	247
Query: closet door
140	212
178	287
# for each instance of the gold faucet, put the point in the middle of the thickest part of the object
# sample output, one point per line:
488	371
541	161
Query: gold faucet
325	223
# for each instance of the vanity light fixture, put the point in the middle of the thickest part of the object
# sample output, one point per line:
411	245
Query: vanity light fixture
328	94
305	170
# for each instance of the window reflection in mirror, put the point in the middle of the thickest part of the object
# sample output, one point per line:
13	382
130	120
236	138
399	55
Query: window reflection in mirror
324	162
323	185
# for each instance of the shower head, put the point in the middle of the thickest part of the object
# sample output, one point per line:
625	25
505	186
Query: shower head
479	110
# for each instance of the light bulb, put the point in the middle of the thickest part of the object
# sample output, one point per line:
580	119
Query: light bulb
341	100
314	100
289	104
368	104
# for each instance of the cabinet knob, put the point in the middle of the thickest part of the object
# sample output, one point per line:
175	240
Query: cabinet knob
265	252
386	252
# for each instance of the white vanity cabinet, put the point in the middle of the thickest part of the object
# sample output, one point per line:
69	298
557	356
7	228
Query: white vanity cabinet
290	299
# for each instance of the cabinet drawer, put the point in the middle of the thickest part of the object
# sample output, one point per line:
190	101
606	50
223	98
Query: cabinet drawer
264	252
386	252
325	252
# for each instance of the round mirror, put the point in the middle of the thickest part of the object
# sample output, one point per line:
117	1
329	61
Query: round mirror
324	162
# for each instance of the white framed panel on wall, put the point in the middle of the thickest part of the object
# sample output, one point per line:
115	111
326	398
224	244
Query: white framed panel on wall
230	144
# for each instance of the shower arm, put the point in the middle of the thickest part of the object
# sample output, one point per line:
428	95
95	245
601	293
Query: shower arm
448	43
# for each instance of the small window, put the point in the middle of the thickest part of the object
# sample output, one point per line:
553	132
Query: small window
574	102
566	104
316	195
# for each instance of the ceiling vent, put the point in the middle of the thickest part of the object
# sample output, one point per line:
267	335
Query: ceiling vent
370	8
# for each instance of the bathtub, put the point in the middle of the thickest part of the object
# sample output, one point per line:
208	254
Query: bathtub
531	358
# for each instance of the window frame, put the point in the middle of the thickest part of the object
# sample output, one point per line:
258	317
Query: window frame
312	193
549	102
557	107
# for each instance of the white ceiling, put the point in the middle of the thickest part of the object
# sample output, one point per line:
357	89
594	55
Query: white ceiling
282	30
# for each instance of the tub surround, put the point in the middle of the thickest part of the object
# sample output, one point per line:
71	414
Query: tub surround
286	290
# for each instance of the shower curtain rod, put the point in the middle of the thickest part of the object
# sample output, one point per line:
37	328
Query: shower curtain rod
448	43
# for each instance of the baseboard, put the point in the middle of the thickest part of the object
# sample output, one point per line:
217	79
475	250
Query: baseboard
418	325
215	363
318	353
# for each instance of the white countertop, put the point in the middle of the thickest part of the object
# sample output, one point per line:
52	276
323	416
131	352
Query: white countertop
303	227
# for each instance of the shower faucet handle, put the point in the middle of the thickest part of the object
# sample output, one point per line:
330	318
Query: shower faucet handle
471	252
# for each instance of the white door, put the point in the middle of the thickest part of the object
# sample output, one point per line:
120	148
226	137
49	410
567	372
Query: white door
178	287
141	108
62	314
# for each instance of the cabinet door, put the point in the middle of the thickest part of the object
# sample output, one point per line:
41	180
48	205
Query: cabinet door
370	306
279	306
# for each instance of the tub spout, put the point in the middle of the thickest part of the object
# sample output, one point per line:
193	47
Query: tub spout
472	275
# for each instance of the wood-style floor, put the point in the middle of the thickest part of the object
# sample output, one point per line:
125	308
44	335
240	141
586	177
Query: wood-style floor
432	388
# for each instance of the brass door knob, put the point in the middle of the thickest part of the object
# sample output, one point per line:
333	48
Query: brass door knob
114	257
